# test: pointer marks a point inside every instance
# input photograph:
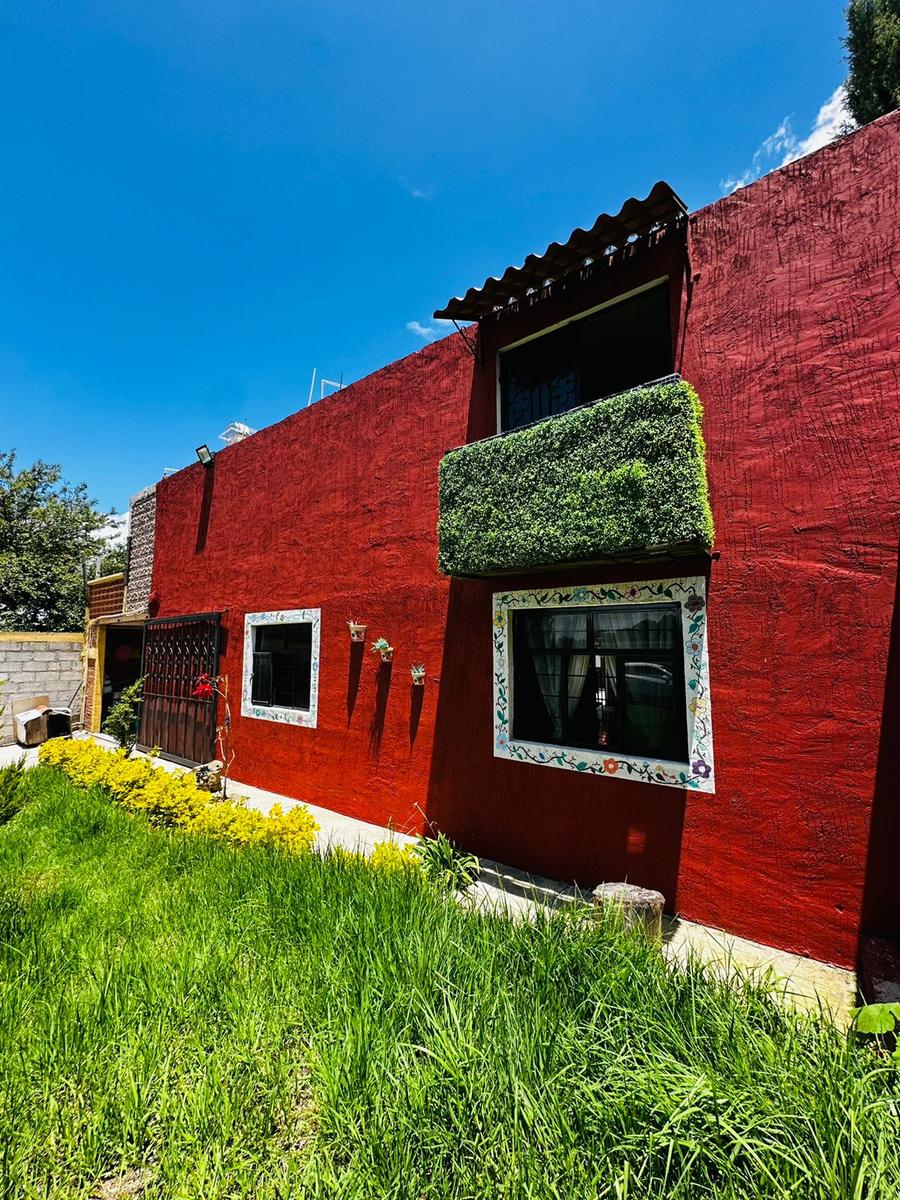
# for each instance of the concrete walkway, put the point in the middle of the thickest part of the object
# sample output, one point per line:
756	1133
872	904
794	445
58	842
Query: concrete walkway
804	983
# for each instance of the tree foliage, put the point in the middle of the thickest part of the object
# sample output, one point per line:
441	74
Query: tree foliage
873	48
48	528
122	721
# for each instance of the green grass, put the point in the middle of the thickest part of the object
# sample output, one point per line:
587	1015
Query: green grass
250	1025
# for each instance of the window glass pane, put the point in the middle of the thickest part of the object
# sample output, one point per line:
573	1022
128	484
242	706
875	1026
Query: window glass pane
290	648
532	719
559	630
540	379
261	688
548	669
649	711
625	344
606	700
601	678
616	348
654	627
555	699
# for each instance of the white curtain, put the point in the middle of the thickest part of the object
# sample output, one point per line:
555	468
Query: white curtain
646	629
549	676
549	668
578	672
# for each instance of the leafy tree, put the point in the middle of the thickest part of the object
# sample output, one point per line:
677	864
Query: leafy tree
873	46
48	528
122	721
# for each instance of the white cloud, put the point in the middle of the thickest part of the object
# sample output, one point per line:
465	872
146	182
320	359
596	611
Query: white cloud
418	190
428	333
783	146
833	119
115	531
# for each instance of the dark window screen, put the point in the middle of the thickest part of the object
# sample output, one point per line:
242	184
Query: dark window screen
601	678
282	659
620	346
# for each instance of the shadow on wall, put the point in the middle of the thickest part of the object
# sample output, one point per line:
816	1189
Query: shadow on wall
416	699
546	820
354	675
382	691
209	481
881	895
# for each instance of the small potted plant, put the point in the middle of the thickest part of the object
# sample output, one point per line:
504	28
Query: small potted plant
383	647
417	670
357	631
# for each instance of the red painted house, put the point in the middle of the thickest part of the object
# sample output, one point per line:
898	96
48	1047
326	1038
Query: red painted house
609	691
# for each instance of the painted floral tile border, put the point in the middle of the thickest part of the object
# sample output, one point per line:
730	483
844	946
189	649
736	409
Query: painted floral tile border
697	773
264	712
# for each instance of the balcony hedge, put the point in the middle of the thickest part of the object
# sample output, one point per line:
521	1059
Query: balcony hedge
623	475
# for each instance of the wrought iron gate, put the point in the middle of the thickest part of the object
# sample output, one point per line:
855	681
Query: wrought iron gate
176	651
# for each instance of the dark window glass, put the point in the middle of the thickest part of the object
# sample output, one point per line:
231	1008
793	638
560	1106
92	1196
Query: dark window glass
620	346
601	678
282	661
261	692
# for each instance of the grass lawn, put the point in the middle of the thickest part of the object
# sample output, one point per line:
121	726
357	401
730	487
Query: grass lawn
241	1023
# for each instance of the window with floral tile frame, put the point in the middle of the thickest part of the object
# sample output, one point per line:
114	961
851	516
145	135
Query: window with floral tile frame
293	703
681	654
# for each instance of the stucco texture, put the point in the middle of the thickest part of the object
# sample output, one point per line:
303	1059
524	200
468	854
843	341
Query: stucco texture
785	317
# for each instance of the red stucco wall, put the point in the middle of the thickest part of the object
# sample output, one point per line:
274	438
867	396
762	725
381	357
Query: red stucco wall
787	325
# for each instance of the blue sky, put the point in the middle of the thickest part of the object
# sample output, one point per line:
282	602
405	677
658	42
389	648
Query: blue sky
202	201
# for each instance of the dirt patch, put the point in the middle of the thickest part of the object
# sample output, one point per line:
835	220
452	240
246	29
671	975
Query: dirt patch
133	1183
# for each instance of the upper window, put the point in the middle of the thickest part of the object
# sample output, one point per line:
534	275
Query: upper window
621	345
601	678
281	666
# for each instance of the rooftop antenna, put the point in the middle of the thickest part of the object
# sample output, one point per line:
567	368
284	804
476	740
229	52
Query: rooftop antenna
324	383
337	384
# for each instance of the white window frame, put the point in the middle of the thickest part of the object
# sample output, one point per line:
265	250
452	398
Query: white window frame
697	774
307	717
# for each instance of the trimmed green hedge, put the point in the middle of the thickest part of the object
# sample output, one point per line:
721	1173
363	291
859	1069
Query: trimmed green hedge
617	476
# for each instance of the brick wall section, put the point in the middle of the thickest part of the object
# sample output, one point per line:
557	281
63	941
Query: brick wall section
106	597
92	637
140	555
35	664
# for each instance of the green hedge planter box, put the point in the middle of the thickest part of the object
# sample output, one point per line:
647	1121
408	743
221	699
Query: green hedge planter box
622	475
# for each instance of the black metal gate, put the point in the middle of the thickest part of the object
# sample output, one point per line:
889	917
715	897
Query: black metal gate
177	650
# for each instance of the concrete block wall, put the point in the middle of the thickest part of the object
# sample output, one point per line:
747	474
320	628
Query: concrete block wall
38	664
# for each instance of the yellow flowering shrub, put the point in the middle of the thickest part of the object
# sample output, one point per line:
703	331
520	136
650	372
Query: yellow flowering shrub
394	856
234	822
173	799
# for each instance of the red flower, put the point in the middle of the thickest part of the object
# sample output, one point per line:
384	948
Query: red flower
610	766
204	689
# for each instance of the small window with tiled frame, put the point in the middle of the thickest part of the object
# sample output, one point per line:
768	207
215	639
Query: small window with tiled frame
281	666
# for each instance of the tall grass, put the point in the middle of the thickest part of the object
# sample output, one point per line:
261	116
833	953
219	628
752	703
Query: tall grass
246	1024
